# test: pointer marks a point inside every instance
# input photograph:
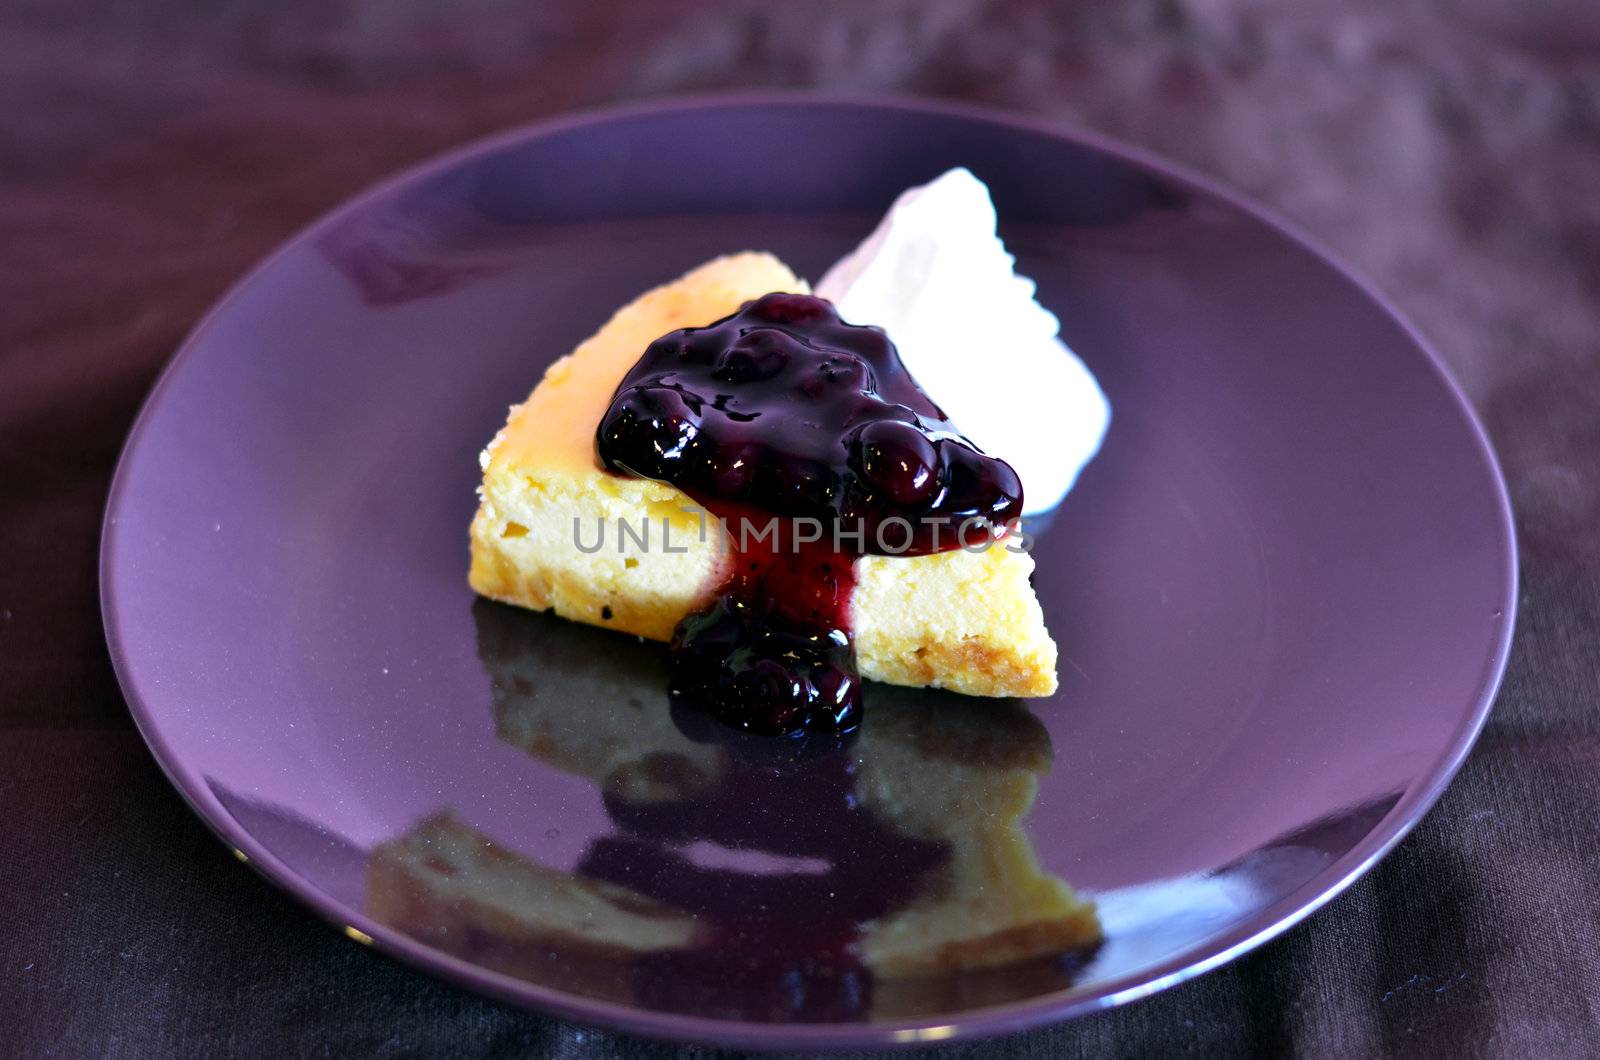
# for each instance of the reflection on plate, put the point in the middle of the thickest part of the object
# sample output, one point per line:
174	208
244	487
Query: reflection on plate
888	878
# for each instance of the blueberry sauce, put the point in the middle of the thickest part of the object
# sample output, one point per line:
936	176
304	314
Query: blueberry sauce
811	442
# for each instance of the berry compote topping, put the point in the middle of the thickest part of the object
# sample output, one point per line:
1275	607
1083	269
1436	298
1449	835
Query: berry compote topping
783	410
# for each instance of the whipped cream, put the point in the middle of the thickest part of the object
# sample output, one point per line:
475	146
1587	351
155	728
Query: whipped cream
935	275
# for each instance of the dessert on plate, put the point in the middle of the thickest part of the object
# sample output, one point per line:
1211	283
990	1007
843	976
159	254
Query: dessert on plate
754	473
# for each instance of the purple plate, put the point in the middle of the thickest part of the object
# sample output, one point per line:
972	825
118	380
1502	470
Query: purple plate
1284	594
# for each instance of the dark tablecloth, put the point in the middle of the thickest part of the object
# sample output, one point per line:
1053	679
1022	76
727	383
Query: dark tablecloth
149	152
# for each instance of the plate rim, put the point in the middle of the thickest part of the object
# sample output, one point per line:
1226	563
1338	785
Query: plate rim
1259	928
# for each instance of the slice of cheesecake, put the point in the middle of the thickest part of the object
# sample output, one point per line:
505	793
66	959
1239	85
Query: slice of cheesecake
549	531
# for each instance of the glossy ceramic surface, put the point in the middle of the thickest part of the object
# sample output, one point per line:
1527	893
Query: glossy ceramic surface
1283	592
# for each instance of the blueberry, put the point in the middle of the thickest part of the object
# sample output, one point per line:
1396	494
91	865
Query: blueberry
790	308
835	689
673	420
626	442
873	343
979	485
666	347
899	459
757	354
732	469
648	428
772	692
697	346
847	372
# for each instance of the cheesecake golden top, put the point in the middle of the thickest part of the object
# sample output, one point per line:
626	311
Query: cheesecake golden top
554	429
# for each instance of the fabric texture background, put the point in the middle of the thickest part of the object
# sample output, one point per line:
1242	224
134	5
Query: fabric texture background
150	152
